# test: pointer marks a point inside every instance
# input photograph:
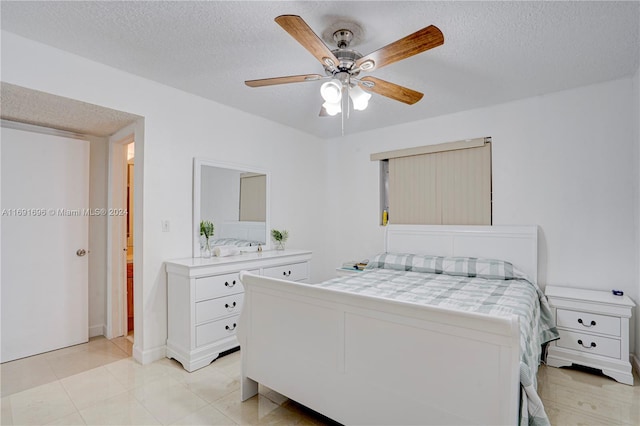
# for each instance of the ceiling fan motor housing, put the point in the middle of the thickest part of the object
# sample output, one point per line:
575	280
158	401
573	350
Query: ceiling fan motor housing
343	38
347	57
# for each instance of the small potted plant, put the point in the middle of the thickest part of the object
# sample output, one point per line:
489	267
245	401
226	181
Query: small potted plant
280	237
206	229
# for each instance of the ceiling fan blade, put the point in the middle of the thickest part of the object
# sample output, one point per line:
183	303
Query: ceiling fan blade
283	80
390	90
299	30
424	39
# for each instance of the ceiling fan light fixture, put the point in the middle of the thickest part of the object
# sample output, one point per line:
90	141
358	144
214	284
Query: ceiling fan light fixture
331	91
332	108
359	97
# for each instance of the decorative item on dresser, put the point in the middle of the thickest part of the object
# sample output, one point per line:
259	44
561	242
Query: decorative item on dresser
207	230
205	297
280	238
594	331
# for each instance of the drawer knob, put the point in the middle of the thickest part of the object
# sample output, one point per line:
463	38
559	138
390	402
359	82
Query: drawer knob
230	328
226	283
592	345
286	274
230	306
585	325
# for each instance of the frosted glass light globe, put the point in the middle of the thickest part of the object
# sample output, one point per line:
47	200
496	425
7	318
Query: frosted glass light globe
331	91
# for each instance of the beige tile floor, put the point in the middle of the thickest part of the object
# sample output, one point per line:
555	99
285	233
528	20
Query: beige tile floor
576	397
99	383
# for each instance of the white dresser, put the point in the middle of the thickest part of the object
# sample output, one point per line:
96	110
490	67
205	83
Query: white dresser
594	331
204	299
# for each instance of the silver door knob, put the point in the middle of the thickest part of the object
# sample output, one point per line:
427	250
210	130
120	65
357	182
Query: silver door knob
81	252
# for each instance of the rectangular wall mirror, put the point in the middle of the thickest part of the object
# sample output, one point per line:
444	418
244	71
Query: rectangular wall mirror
236	199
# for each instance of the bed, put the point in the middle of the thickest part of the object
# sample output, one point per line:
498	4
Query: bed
360	351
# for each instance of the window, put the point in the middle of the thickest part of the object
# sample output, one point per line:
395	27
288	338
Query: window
445	184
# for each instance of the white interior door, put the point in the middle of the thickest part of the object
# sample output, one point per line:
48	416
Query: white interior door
45	218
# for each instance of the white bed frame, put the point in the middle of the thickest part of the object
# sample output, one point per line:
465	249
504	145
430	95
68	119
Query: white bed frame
364	360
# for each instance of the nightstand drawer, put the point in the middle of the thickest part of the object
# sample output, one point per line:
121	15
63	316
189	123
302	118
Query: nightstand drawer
589	344
293	272
593	323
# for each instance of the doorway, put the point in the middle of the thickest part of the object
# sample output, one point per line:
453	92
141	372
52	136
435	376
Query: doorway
122	269
109	128
129	311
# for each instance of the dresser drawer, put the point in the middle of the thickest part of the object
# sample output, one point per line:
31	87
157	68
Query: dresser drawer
218	286
293	271
212	309
590	344
593	323
216	330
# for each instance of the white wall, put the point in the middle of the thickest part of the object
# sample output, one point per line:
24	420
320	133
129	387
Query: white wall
177	127
636	117
564	161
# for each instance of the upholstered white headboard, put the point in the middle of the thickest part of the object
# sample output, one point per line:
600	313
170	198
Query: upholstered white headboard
515	244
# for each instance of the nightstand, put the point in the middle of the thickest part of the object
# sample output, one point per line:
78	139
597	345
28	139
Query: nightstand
594	331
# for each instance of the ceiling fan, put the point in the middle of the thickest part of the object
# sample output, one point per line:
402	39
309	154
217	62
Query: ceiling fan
343	65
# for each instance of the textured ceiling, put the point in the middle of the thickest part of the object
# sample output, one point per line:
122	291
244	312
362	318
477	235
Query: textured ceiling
43	109
494	51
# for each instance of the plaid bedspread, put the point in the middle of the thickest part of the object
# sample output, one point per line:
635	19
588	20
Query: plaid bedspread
500	297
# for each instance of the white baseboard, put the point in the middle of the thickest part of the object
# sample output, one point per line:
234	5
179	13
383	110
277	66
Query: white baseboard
97	330
150	355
